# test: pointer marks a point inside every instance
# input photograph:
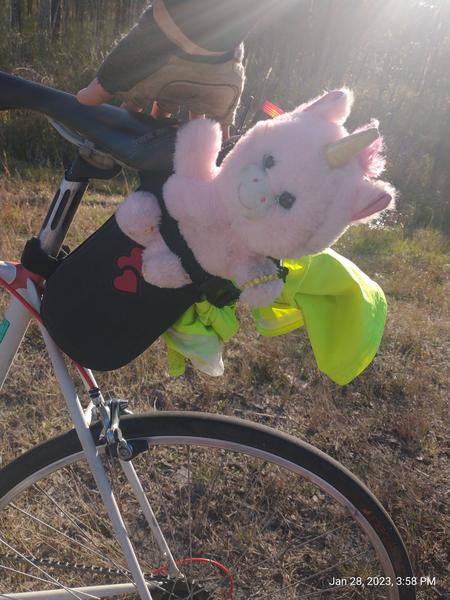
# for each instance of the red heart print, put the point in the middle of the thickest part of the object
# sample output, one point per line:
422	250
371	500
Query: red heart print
127	282
133	260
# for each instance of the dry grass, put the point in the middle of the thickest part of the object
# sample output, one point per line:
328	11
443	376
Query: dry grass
390	426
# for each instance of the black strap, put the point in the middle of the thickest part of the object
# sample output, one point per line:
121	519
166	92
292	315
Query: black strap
38	261
282	271
177	244
218	291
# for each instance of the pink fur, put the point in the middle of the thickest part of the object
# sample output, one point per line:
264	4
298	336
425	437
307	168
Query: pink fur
187	162
333	107
274	195
162	268
372	159
139	216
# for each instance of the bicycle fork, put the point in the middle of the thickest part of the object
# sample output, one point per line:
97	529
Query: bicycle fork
82	427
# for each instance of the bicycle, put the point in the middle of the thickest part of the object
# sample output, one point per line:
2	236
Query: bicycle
128	506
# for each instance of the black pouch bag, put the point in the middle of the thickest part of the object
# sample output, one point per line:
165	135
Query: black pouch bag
98	308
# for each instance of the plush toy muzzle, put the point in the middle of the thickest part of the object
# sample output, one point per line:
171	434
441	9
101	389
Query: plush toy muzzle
255	193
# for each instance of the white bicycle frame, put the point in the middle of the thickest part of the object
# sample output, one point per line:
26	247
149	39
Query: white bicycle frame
12	330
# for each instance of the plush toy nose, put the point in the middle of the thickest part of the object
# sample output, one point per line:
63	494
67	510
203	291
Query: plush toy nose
254	192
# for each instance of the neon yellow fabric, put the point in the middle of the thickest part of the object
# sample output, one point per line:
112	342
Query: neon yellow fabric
343	310
283	315
199	335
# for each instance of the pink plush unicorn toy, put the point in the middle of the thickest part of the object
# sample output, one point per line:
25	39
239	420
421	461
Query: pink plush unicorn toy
289	188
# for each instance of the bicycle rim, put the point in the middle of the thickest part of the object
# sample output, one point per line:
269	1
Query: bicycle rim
247	512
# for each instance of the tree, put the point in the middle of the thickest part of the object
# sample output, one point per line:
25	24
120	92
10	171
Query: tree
16	14
56	17
45	21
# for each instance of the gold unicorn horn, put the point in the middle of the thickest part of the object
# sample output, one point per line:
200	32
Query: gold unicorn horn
341	152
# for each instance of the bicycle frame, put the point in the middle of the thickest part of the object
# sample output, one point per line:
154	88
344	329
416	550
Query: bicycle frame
26	289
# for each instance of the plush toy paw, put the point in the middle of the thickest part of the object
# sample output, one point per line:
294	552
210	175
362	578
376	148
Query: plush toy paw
138	217
262	294
163	269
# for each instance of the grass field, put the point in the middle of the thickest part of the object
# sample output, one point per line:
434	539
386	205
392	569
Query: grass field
389	426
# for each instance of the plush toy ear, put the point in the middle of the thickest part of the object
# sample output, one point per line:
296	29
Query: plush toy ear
333	107
372	159
371	198
196	149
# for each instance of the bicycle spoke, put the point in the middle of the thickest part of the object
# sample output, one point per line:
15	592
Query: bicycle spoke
295	584
189	516
71	539
49	577
239	527
296	546
24	573
85	530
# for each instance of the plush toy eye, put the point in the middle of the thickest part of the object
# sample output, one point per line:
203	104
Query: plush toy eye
286	200
268	161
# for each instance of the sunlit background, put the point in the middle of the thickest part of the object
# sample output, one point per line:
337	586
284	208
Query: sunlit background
395	54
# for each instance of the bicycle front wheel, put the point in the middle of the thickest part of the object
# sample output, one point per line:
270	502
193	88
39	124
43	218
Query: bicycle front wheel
247	512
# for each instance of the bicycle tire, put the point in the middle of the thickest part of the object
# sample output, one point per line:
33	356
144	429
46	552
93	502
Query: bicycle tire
279	452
